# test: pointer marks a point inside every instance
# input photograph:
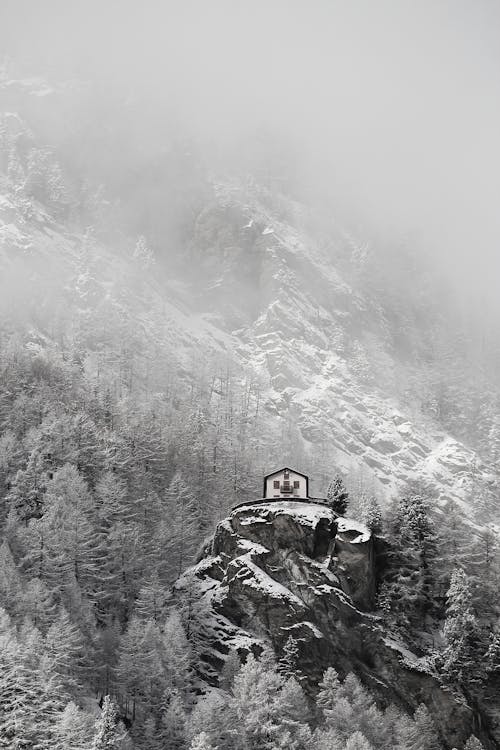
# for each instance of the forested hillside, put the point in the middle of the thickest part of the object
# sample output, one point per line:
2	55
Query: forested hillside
169	333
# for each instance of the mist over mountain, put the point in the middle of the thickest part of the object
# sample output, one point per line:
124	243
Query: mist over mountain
235	237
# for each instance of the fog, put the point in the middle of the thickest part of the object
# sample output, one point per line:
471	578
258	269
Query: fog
393	108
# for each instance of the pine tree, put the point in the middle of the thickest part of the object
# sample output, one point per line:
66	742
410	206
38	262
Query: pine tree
116	543
143	255
74	729
109	734
65	649
409	585
173	723
453	542
232	666
473	744
214	714
294	708
367	717
422	733
176	654
148	739
152	599
10	580
372	515
139	667
337	495
39	604
28	488
493	654
184	523
325	738
289	658
460	663
202	742
358	741
329	692
266	709
31	698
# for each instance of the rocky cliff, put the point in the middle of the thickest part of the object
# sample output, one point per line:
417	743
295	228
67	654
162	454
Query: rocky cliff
290	568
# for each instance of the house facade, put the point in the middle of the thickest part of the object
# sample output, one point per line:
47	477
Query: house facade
286	484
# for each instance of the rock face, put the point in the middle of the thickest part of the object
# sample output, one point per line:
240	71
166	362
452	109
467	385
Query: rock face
294	568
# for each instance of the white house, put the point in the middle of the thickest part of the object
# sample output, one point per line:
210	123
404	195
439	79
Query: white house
286	483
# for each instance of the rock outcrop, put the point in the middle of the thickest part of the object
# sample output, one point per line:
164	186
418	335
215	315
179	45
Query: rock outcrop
294	568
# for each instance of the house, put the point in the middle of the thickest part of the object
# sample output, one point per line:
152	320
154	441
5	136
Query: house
286	483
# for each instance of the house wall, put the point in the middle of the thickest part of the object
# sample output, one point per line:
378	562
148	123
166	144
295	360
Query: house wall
275	493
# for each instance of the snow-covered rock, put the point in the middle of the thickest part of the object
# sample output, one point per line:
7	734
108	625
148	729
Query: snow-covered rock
280	569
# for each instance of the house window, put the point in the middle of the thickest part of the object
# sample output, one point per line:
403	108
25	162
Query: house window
296	484
276	484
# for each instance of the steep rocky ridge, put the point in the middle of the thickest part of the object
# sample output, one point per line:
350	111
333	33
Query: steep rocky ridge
326	352
292	568
263	294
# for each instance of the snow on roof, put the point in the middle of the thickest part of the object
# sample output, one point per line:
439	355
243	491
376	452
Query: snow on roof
286	468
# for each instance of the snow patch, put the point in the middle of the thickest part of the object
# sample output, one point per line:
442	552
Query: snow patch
346	525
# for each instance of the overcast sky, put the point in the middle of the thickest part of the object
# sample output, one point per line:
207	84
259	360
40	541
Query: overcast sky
399	100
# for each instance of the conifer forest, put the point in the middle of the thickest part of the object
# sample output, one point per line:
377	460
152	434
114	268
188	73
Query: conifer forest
249	375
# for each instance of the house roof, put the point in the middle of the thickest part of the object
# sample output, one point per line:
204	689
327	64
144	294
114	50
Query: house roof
285	468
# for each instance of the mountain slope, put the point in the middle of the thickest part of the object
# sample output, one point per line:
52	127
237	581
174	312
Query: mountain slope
328	354
345	375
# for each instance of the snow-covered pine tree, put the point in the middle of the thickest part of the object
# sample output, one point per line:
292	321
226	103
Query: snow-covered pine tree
493	654
337	495
232	666
109	733
460	663
74	729
28	488
64	646
358	741
423	732
288	662
184	525
202	742
473	744
176	654
407	591
329	692
10	580
152	599
372	515
172	730
256	689
143	255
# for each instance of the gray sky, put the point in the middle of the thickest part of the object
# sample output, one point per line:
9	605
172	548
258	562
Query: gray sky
395	104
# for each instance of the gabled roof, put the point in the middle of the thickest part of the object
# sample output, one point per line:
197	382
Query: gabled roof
285	468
